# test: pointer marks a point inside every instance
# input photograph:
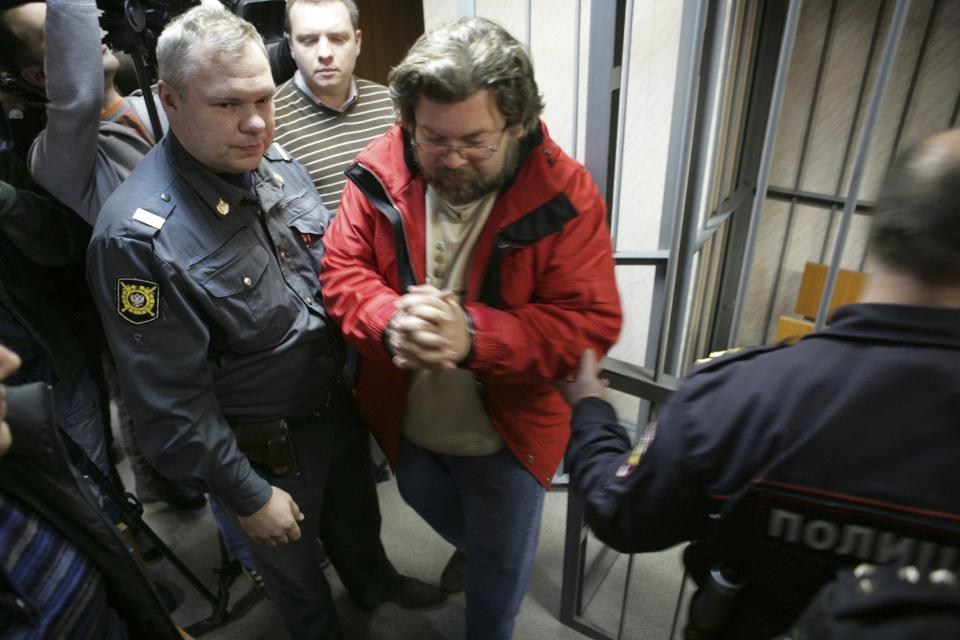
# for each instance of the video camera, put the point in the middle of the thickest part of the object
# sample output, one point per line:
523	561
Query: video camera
127	20
133	26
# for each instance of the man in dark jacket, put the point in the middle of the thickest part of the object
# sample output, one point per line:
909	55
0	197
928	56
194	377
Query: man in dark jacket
864	411
64	569
41	254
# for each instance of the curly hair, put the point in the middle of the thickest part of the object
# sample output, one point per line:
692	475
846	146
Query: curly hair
454	61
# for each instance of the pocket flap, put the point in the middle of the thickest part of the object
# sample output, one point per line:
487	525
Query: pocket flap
240	274
305	213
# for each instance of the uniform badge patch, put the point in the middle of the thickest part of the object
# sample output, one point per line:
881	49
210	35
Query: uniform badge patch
138	301
645	440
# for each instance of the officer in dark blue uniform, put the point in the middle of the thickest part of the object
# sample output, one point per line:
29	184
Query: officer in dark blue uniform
204	264
865	408
868	602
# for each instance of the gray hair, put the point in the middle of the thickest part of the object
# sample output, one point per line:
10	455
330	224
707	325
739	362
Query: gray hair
349	4
223	34
454	61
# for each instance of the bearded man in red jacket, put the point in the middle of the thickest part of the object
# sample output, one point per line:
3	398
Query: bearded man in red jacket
470	264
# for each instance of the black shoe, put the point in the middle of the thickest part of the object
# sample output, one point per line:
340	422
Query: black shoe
176	496
451	580
411	593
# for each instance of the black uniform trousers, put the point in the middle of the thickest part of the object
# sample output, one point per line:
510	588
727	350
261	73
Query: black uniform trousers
336	492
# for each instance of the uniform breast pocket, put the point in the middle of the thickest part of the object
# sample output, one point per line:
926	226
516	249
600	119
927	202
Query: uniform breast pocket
247	293
307	219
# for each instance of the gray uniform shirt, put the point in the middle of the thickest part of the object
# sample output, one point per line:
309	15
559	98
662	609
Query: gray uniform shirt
211	303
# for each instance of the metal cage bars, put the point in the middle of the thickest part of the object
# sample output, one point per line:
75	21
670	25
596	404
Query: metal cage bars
580	581
766	157
866	137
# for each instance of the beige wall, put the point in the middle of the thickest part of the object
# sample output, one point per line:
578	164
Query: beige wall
938	84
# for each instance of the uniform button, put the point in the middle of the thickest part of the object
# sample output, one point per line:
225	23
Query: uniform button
530	458
909	574
440	246
283	255
438	258
165	197
943	577
247	282
309	300
20	604
137	337
864	570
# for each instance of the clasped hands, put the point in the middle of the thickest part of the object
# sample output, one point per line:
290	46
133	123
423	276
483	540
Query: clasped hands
428	330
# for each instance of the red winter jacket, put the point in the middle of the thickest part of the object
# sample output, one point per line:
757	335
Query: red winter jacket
541	289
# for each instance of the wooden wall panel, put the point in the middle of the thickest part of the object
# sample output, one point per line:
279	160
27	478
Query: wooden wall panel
389	28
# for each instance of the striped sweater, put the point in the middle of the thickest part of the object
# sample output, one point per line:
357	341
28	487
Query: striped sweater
48	587
326	141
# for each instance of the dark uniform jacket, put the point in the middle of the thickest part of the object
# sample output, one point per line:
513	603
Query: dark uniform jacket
868	407
210	297
38	475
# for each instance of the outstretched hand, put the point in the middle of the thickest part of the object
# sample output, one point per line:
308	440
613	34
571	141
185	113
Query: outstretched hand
586	383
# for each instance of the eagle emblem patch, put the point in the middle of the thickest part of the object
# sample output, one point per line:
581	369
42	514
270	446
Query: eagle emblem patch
138	301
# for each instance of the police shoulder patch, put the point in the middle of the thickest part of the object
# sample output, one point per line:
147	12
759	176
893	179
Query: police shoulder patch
138	301
649	433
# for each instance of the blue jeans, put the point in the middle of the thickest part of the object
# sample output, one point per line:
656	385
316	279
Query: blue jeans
232	536
489	507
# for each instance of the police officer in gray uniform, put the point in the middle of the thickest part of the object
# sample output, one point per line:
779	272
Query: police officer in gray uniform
204	264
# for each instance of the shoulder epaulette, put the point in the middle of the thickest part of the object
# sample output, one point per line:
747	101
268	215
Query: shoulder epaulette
719	359
150	218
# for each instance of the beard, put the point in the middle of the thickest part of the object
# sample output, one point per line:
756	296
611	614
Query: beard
469	184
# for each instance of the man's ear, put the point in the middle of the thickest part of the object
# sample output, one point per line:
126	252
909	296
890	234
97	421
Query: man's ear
358	41
34	76
169	98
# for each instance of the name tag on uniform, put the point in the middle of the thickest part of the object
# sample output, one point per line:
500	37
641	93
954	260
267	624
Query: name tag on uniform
148	218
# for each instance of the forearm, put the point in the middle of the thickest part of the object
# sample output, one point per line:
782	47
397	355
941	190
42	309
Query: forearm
355	294
537	342
63	157
637	497
598	445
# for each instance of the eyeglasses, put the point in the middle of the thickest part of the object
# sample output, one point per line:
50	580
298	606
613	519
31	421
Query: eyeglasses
470	152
